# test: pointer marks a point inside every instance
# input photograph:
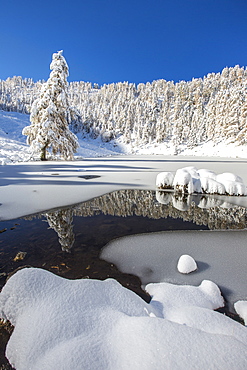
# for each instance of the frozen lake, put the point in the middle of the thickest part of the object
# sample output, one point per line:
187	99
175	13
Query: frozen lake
93	239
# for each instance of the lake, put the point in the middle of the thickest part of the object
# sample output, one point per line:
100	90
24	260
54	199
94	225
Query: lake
69	241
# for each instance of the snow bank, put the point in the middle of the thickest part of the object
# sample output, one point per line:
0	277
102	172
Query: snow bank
190	180
13	146
186	264
91	324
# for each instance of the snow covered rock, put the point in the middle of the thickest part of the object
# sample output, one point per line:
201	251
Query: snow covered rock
190	180
186	264
211	186
206	173
228	176
241	309
164	180
233	184
182	182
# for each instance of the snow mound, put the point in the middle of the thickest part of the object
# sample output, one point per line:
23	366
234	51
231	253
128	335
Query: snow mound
203	172
241	309
206	295
183	181
91	324
190	180
164	180
211	186
186	264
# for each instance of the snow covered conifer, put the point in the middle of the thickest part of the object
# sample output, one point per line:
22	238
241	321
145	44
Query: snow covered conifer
51	115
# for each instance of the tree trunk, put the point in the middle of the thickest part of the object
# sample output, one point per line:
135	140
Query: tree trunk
43	153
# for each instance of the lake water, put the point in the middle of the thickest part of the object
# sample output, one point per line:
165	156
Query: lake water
69	241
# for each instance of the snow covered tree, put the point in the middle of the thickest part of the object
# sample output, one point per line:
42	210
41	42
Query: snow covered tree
51	115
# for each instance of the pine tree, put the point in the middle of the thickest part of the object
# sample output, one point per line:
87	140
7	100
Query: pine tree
51	115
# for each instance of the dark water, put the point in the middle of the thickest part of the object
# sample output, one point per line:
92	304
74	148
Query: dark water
43	249
68	241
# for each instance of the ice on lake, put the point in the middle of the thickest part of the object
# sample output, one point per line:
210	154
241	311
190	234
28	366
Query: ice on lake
220	256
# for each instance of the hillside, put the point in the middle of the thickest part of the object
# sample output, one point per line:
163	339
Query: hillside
198	117
14	149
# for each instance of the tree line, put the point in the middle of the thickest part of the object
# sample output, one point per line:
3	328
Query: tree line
210	108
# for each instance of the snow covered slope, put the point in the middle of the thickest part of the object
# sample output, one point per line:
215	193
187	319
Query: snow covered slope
12	143
13	146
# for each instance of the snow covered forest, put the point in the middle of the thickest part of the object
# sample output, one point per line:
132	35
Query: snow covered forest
190	113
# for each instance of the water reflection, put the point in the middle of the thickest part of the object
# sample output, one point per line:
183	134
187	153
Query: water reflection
61	221
211	211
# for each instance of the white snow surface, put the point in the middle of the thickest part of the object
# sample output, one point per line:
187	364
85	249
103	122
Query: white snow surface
186	264
90	324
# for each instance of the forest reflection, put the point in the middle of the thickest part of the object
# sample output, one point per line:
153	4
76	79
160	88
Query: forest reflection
215	213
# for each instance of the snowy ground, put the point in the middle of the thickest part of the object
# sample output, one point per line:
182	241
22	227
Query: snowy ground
88	324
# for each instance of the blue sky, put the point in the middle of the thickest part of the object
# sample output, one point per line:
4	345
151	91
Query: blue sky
108	41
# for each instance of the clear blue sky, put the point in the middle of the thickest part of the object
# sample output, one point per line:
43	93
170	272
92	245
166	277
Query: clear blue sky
108	41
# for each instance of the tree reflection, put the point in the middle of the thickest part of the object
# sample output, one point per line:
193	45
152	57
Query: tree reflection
61	221
215	212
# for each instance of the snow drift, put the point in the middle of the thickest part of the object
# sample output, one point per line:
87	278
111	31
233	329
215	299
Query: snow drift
91	324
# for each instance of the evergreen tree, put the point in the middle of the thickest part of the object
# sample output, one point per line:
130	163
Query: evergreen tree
51	115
